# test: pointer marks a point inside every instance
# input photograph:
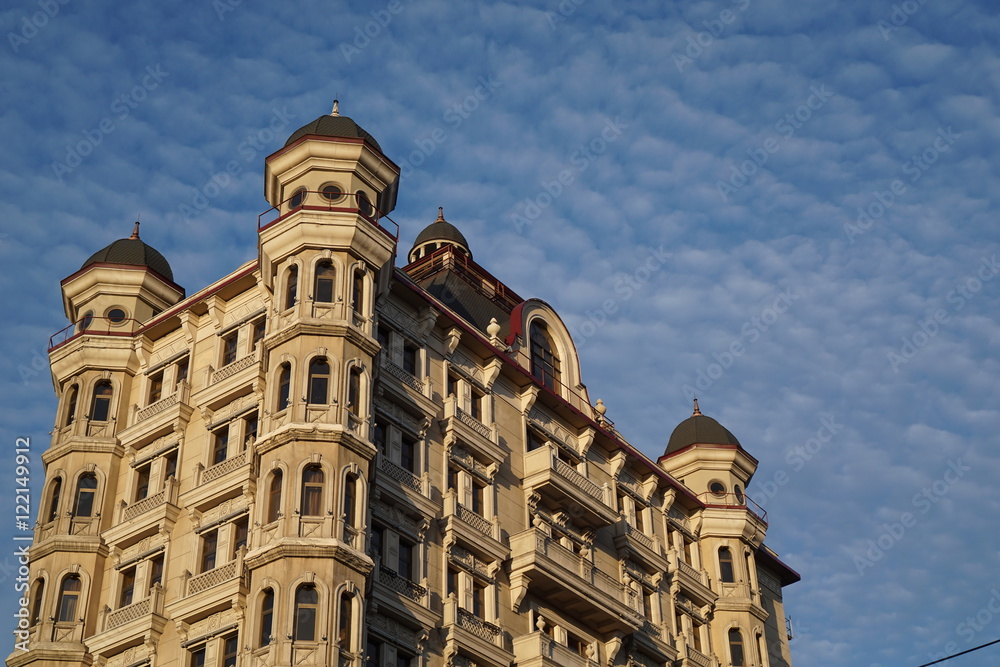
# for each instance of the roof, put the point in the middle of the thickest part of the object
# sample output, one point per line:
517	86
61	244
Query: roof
441	230
333	126
132	251
699	429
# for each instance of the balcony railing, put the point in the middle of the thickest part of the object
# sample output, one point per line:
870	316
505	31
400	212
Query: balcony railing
150	605
529	647
235	367
400	584
347	202
479	523
156	408
404	376
223	467
698	658
140	507
477	626
473	423
94	326
734	501
400	474
640	537
231	570
689	570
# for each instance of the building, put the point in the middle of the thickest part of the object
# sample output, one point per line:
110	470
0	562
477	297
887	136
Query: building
323	459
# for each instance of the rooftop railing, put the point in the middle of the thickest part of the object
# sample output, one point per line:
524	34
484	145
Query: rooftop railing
91	325
344	202
733	501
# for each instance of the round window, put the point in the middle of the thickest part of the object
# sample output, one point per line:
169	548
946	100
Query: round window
297	198
88	319
116	315
364	205
331	192
739	493
717	488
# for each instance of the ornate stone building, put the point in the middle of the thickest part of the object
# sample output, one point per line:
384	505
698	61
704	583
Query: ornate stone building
324	459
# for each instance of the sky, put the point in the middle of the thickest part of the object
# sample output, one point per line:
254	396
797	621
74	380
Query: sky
786	208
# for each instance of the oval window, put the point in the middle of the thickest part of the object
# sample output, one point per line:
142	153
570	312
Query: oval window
739	493
364	205
297	198
331	192
116	315
717	488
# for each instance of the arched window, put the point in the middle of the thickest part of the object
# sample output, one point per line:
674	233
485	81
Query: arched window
284	385
354	391
319	381
100	408
36	602
726	566
266	618
312	491
346	627
74	393
306	608
54	494
69	598
350	503
86	494
325	276
274	497
735	647
358	292
544	362
291	286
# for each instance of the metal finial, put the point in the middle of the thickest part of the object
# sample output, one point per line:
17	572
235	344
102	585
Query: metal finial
696	410
440	214
135	231
336	108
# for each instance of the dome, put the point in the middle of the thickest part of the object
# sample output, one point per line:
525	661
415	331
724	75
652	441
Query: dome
134	252
441	231
699	429
334	125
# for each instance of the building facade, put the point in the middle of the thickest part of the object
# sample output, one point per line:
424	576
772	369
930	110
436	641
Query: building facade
324	459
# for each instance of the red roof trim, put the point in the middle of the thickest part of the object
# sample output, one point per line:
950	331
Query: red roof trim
323	137
125	267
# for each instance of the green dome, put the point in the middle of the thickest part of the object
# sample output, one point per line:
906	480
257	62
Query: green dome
134	252
333	125
699	429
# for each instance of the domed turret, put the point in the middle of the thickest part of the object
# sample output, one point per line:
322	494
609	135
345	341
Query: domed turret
701	430
437	235
333	125
134	252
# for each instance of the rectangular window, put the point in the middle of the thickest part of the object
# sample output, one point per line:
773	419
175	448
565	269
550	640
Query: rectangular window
534	440
576	644
209	545
258	331
142	481
128	587
378	436
407	454
250	423
155	387
478	498
382	335
229	348
452	582
452	385
405	568
170	465
476	407
230	647
241	531
373	653
410	358
377	540
182	370
479	600
220	444
198	657
156	571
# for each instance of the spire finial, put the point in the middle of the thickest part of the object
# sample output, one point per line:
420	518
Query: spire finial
696	410
440	214
135	231
336	108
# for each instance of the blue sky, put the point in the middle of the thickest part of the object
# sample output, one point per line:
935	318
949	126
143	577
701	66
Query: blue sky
789	207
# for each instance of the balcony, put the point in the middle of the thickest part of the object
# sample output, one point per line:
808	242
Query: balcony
692	580
399	584
127	623
474	530
460	426
692	657
477	636
570	582
633	543
407	389
210	591
408	488
561	484
539	650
